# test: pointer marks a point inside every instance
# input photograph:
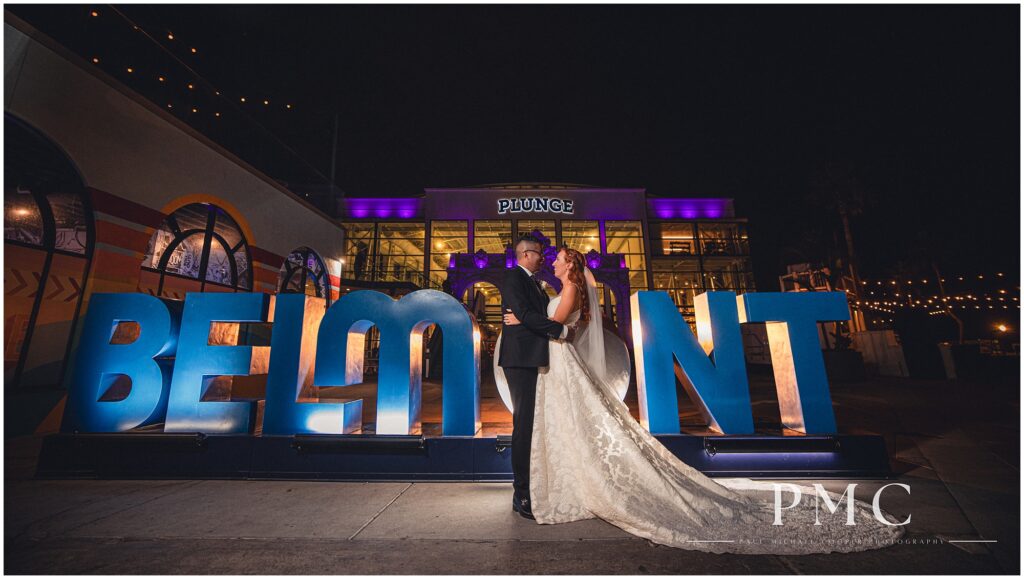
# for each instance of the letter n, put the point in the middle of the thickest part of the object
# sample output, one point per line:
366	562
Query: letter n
712	368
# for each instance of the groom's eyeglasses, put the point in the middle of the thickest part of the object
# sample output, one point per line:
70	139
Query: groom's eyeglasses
525	251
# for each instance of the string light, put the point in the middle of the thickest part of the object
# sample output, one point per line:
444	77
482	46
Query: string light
194	50
153	40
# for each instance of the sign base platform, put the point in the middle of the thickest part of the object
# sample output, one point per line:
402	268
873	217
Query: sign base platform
416	458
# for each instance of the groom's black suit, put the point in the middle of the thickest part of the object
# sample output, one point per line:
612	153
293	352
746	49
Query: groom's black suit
524	349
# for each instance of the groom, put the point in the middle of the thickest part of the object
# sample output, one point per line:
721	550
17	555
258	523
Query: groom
524	350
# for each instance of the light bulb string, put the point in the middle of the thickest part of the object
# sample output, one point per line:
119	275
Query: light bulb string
209	85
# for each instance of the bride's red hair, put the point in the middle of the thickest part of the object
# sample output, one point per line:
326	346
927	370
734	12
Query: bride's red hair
576	278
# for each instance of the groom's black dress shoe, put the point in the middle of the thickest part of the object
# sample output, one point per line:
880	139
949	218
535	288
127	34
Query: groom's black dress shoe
522	506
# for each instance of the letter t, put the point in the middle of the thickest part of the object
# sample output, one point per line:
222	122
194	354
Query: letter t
804	399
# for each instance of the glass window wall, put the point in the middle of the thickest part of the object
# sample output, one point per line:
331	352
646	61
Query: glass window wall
545	227
723	239
358	249
675	239
725	273
582	236
627	238
400	252
446	238
681	278
492	236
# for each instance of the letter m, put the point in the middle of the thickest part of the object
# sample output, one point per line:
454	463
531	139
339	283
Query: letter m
341	342
711	368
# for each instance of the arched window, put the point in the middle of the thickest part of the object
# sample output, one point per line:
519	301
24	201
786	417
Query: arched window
48	230
200	242
304	272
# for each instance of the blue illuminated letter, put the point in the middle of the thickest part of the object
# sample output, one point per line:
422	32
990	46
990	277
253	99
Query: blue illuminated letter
293	406
339	358
719	388
804	399
198	363
99	363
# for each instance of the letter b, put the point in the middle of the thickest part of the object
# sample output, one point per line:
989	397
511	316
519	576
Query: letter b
98	364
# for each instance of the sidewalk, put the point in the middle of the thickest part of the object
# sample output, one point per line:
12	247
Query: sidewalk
956	445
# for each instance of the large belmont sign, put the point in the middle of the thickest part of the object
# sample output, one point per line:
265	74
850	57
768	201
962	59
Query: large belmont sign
172	365
535	205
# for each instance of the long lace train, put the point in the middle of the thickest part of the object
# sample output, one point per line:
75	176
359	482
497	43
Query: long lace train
591	458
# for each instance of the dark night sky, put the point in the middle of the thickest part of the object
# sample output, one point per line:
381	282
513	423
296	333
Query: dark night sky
920	103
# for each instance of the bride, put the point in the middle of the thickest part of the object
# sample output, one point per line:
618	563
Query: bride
590	458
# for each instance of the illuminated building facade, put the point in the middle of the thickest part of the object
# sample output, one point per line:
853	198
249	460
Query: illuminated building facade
459	240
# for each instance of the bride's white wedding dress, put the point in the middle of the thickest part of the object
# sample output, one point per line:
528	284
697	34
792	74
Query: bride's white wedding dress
590	458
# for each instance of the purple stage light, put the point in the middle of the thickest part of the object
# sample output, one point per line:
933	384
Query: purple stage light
593	259
691	208
550	254
383	207
480	259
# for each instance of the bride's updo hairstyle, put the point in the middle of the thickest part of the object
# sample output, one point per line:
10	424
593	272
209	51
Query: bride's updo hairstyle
574	271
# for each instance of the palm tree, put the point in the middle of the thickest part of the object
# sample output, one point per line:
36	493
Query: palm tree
839	191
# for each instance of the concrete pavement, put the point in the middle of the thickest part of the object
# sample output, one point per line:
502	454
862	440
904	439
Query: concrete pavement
954	444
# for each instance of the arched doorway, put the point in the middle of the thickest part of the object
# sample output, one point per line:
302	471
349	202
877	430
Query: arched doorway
48	246
484	302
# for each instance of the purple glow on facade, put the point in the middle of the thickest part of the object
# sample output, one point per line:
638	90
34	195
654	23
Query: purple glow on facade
480	259
543	239
690	208
384	207
510	258
593	259
550	254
